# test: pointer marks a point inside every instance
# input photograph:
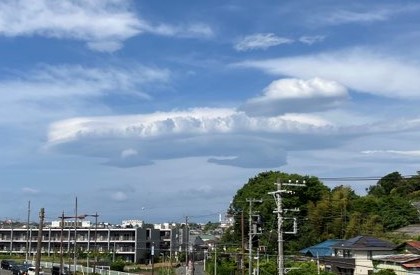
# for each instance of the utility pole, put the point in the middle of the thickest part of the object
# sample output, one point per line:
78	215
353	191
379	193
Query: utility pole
38	249
187	244
215	259
152	253
61	243
279	211
75	238
27	232
243	242
251	233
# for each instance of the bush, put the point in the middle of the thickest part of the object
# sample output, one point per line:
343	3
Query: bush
117	265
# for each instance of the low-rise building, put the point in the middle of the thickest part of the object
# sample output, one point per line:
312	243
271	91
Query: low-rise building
131	244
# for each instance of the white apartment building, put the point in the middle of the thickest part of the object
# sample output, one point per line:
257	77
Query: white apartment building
132	244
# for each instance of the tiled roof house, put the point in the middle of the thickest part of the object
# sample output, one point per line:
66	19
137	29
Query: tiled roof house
354	256
320	250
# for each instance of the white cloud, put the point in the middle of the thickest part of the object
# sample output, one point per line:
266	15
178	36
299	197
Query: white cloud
195	30
129	153
105	46
296	95
345	16
119	196
29	190
69	80
358	69
410	153
223	136
53	92
220	134
311	39
103	24
93	21
362	14
178	123
261	41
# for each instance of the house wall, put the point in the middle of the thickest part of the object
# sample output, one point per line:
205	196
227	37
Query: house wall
363	261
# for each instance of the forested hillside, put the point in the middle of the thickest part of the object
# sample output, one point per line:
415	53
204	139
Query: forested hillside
325	213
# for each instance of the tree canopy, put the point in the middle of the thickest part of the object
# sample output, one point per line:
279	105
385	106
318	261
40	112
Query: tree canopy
324	213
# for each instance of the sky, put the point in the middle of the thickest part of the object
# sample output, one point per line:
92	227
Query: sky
158	110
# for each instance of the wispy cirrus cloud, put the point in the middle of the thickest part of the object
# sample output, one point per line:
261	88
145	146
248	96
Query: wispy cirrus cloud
194	30
59	89
345	16
409	153
48	81
103	24
359	69
261	41
361	14
309	40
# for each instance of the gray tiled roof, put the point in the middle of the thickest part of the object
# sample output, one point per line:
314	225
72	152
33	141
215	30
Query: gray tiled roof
364	243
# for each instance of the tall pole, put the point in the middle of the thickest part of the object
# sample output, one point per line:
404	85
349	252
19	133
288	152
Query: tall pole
279	212
75	238
153	257
38	249
96	239
243	242
215	259
170	247
61	244
250	239
250	233
27	232
187	240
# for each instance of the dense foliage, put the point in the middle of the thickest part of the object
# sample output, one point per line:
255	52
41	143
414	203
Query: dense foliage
385	272
325	213
306	268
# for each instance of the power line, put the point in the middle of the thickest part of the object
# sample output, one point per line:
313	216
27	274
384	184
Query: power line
360	178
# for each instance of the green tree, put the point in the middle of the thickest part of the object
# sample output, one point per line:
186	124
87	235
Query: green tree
306	268
385	272
354	228
258	188
385	185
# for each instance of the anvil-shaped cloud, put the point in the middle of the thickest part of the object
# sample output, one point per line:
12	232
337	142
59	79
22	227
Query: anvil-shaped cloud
231	137
226	136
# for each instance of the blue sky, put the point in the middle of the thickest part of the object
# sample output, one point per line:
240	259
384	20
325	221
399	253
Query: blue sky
156	110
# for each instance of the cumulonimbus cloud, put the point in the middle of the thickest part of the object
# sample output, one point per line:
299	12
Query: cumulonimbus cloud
225	136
